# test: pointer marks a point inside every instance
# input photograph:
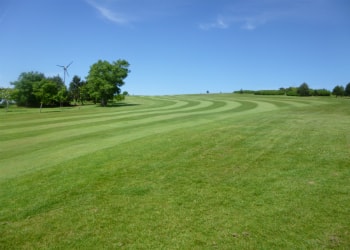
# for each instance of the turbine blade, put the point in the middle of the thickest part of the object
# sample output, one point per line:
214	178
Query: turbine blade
67	72
60	66
69	64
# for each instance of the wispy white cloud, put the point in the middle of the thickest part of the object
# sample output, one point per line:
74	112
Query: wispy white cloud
248	26
246	22
252	14
129	12
252	22
219	23
109	13
111	16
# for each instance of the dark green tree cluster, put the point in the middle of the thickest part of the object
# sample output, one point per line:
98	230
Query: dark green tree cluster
33	89
302	90
244	91
78	91
341	91
270	92
305	90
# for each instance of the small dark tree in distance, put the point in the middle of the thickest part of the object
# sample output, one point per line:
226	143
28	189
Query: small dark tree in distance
303	90
338	91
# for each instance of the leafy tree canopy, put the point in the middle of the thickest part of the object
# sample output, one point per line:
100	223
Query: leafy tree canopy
78	90
338	91
105	79
6	95
303	90
34	89
24	88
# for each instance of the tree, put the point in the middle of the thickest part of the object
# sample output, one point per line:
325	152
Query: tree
283	90
24	88
338	91
77	90
303	90
292	91
61	95
34	89
321	92
45	91
84	93
6	96
347	89
105	79
119	97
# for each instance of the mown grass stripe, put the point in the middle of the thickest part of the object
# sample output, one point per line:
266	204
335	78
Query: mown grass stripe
101	120
242	173
36	141
145	126
77	150
26	143
88	111
82	119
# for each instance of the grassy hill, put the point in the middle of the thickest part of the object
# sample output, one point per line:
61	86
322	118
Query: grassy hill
178	172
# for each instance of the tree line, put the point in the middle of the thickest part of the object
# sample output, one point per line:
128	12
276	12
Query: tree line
103	83
302	90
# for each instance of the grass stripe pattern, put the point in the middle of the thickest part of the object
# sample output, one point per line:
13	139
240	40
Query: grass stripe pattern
178	172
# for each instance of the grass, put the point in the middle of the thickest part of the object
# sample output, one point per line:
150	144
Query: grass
178	172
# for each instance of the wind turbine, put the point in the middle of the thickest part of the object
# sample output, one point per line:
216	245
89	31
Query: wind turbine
65	71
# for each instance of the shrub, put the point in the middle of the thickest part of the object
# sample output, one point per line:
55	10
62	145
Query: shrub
269	92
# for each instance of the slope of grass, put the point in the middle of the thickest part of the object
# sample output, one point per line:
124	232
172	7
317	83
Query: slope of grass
178	172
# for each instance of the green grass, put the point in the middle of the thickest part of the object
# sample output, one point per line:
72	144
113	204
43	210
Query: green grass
178	172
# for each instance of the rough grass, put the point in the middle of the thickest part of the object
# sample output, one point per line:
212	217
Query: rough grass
178	172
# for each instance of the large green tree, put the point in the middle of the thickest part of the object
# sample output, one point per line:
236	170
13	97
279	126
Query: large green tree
61	95
45	91
105	79
33	89
24	88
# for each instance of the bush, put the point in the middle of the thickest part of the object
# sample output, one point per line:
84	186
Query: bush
269	92
244	91
321	92
292	91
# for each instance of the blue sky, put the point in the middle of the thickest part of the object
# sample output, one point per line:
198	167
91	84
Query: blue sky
181	46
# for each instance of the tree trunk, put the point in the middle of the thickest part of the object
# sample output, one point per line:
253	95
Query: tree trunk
41	105
103	102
